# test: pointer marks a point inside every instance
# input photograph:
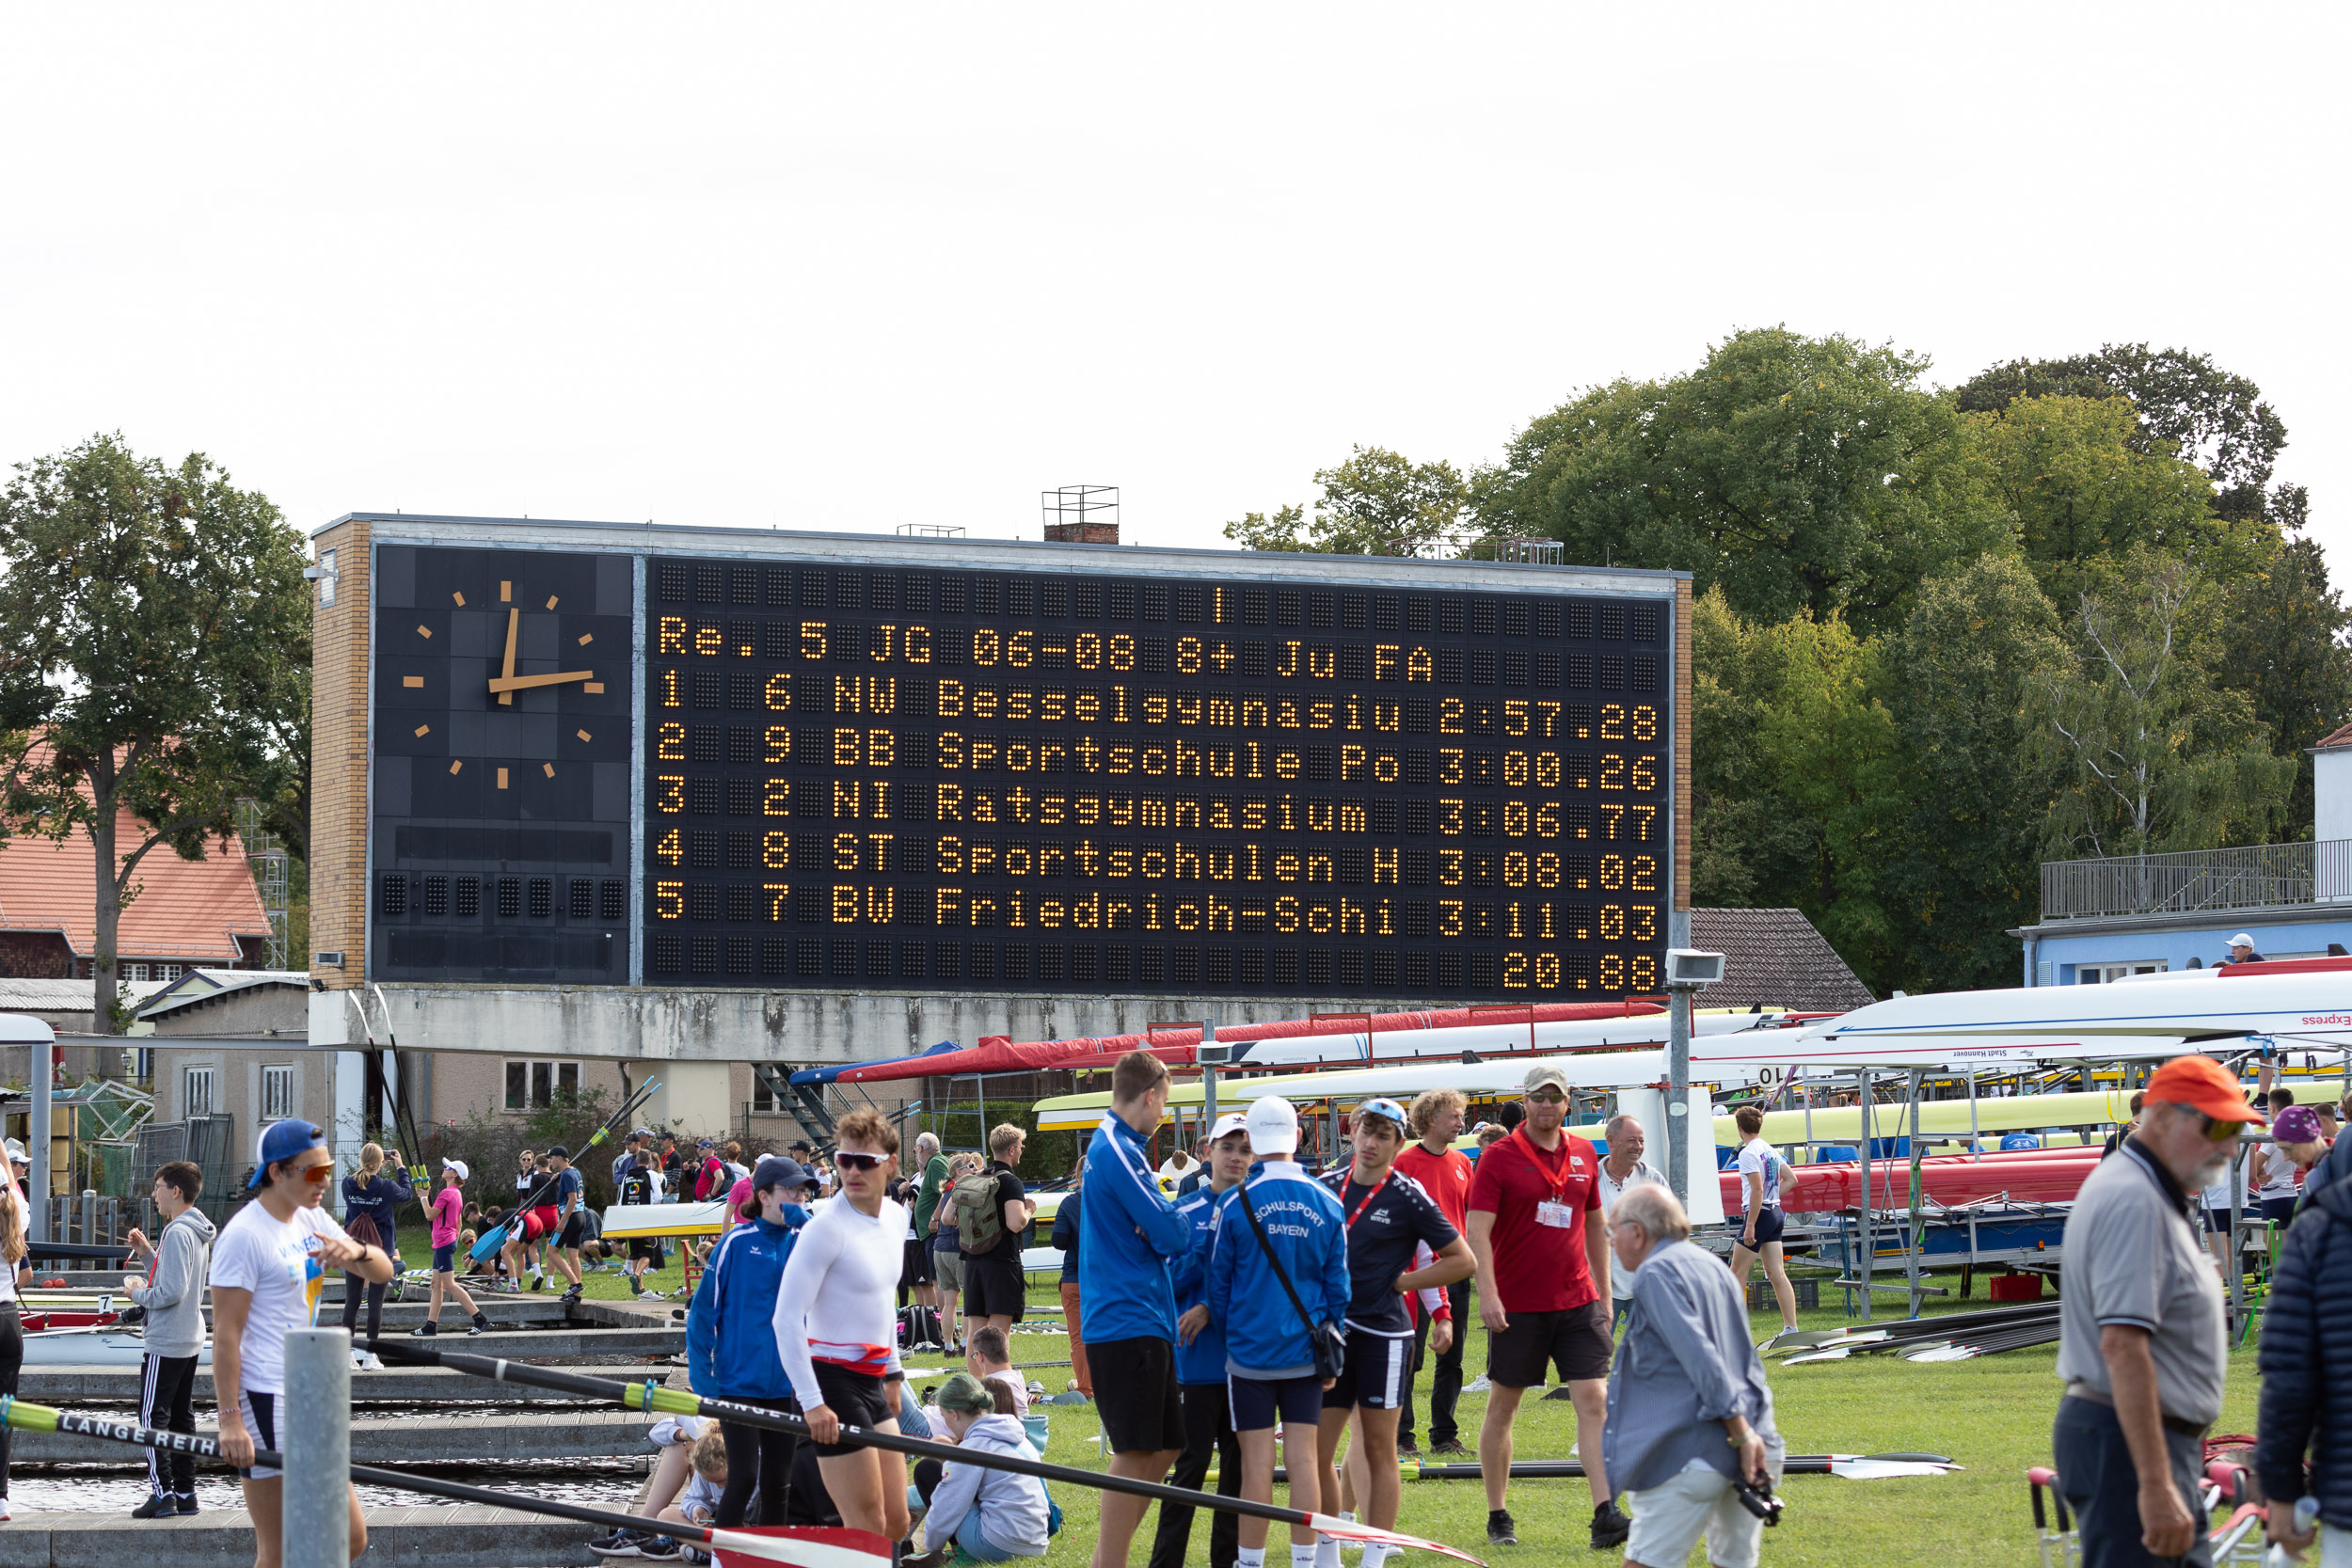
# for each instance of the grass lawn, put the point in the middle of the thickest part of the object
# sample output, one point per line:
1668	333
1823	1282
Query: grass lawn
1992	1415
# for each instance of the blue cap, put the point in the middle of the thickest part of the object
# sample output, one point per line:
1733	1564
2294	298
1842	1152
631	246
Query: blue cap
282	1140
774	1171
1388	1108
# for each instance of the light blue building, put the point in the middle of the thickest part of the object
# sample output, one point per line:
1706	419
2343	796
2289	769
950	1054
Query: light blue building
2102	919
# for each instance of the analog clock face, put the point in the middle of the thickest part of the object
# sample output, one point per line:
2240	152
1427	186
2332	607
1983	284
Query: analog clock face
501	739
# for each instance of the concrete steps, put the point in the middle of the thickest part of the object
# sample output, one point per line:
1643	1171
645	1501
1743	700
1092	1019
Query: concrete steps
420	1537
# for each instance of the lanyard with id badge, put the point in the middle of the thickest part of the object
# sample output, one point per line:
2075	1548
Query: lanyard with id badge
1553	1211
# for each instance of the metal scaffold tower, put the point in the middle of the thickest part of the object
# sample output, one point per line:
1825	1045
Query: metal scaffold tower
269	861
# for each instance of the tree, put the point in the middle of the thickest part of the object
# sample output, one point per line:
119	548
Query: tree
1794	806
2206	415
149	617
1802	475
1958	675
2083	487
2160	755
2283	647
1377	503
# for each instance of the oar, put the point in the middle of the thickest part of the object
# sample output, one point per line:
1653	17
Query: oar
1854	1466
654	1399
494	1240
22	1416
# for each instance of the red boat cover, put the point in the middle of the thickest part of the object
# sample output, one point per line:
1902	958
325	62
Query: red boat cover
2025	1176
996	1054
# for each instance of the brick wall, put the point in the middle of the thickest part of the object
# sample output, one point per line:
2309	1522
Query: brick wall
339	760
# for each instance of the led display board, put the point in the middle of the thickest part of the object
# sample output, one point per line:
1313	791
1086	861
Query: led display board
945	779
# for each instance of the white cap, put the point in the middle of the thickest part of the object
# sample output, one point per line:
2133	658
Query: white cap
457	1165
2242	940
1273	1124
16	1151
1232	1121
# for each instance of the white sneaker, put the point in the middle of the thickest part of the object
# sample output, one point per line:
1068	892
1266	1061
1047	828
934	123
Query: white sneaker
1479	1387
4	1511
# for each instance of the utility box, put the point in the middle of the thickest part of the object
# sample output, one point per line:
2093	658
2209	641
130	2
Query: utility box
2017	1287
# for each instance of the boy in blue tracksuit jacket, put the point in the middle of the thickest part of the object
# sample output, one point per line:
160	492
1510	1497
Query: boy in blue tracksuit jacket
1201	1362
1269	1355
1128	1234
731	1338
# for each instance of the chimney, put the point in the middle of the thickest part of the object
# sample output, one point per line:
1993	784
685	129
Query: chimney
1081	515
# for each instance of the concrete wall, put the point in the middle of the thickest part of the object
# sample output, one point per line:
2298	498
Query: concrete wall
801	1027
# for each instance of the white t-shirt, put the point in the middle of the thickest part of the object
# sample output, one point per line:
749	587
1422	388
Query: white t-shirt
1174	1169
15	1195
1010	1381
2278	1172
277	1261
2217	1196
837	1301
1621	1280
1759	1158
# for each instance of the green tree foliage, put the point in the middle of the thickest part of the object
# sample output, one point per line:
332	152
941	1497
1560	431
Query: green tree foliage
154	644
2207	416
1957	676
1377	503
2082	487
2283	630
1813	475
1799	808
2160	755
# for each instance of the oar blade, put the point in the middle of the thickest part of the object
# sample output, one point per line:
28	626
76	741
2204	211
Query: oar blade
801	1548
1884	1469
1348	1530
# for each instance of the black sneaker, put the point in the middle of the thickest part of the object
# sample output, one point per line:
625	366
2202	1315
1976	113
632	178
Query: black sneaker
187	1504
480	1323
427	1332
1451	1449
659	1547
1499	1528
163	1506
636	1285
618	1543
1610	1525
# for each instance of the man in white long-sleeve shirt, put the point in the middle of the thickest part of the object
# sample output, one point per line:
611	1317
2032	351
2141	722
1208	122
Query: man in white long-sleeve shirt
837	1332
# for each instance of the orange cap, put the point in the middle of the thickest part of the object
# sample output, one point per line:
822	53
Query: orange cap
2204	1085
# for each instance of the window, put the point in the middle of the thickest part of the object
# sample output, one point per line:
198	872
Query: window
328	579
277	1092
196	1092
533	1085
763	1095
135	971
2096	974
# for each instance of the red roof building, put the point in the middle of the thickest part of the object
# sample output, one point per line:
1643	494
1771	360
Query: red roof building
184	913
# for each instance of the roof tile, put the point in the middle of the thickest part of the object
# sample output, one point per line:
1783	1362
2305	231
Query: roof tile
192	910
1775	959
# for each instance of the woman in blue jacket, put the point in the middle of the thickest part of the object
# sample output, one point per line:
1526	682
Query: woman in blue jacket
371	1195
1269	1352
731	1338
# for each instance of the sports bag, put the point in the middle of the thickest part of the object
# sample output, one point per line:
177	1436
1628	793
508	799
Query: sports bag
980	1217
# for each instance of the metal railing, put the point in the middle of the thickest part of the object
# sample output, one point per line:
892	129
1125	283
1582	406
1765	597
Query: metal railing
2261	875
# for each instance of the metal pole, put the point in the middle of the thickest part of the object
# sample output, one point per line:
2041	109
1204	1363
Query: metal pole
315	1437
1678	1129
1917	1227
1975	1152
37	1140
1869	1222
1208	1078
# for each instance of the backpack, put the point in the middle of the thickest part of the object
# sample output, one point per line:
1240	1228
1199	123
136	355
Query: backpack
980	1217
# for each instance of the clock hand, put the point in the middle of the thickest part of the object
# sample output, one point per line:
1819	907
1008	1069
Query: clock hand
506	685
514	621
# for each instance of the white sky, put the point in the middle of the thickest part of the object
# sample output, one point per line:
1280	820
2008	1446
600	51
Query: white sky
766	266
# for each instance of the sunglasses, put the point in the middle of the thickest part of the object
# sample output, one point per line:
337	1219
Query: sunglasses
848	1161
1545	1097
2220	1132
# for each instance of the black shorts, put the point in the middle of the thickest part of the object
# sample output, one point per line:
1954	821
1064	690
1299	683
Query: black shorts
574	1229
995	1287
260	1424
645	1248
1769	1226
1576	1341
1135	1394
2217	1221
2278	1211
1258	1402
859	1399
916	1268
1378	1374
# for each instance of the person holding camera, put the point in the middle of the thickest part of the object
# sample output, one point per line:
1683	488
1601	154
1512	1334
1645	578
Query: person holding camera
1689	1416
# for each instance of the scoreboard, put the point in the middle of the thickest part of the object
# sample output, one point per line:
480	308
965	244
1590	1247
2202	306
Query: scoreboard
949	780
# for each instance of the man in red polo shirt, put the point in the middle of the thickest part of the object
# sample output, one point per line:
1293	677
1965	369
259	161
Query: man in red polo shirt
1444	1174
1543	1291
